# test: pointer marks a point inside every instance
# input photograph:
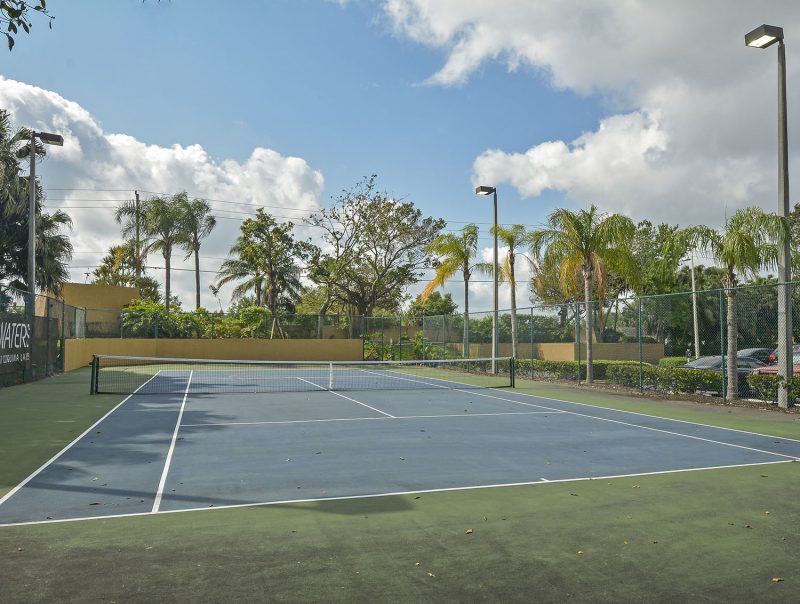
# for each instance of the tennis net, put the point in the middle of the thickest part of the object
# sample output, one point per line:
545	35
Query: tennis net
148	375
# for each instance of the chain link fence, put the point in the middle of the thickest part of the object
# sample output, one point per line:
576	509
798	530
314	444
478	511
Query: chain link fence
675	343
642	343
32	333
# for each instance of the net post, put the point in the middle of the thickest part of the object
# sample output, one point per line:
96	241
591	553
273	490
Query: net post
93	382
330	376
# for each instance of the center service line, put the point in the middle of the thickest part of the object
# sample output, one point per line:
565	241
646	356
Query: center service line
160	492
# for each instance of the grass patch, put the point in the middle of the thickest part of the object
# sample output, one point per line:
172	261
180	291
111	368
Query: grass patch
686	536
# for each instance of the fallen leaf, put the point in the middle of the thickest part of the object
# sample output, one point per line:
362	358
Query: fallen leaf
777	579
416	563
747	526
469	531
580	552
19	549
431	574
766	512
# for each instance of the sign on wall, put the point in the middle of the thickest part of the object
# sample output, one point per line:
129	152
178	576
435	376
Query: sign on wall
15	339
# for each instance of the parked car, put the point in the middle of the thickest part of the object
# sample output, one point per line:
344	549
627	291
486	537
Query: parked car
773	357
774	368
744	367
761	354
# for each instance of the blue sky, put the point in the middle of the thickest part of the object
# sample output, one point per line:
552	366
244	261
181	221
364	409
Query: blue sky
433	96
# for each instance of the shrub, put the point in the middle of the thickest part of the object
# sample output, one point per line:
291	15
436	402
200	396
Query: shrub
764	386
671	361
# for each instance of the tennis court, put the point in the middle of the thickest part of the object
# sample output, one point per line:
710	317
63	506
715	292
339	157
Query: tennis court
199	434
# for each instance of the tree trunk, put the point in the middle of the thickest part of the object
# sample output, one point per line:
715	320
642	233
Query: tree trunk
733	375
587	296
197	276
323	311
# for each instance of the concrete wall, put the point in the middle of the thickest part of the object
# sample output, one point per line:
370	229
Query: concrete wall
90	295
78	353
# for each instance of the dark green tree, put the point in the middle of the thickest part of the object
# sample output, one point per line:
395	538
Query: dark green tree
53	248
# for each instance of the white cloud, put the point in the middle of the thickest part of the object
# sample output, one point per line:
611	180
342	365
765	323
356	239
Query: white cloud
690	132
102	162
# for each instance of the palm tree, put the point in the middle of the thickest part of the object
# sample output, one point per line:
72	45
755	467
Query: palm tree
163	226
589	243
456	253
263	257
749	242
131	215
197	224
512	237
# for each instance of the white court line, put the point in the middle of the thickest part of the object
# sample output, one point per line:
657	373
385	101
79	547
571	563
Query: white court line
357	419
541	481
65	449
682	421
163	481
616	421
347	397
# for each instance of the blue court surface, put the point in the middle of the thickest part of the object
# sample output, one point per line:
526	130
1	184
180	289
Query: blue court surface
190	450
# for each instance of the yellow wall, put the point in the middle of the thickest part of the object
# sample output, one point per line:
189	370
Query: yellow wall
78	352
565	351
90	295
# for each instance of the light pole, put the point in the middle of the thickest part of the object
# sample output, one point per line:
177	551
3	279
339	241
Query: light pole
762	37
50	139
481	190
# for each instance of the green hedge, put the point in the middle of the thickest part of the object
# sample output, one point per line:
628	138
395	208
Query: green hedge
765	386
665	377
626	373
672	361
568	370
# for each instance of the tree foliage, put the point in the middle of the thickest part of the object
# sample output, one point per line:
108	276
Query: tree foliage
53	248
374	248
434	305
118	267
16	15
264	260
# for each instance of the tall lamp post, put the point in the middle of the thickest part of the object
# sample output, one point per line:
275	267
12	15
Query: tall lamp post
762	37
50	139
481	190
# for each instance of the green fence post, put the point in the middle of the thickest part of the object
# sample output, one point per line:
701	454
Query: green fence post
578	337
722	344
531	355
641	346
